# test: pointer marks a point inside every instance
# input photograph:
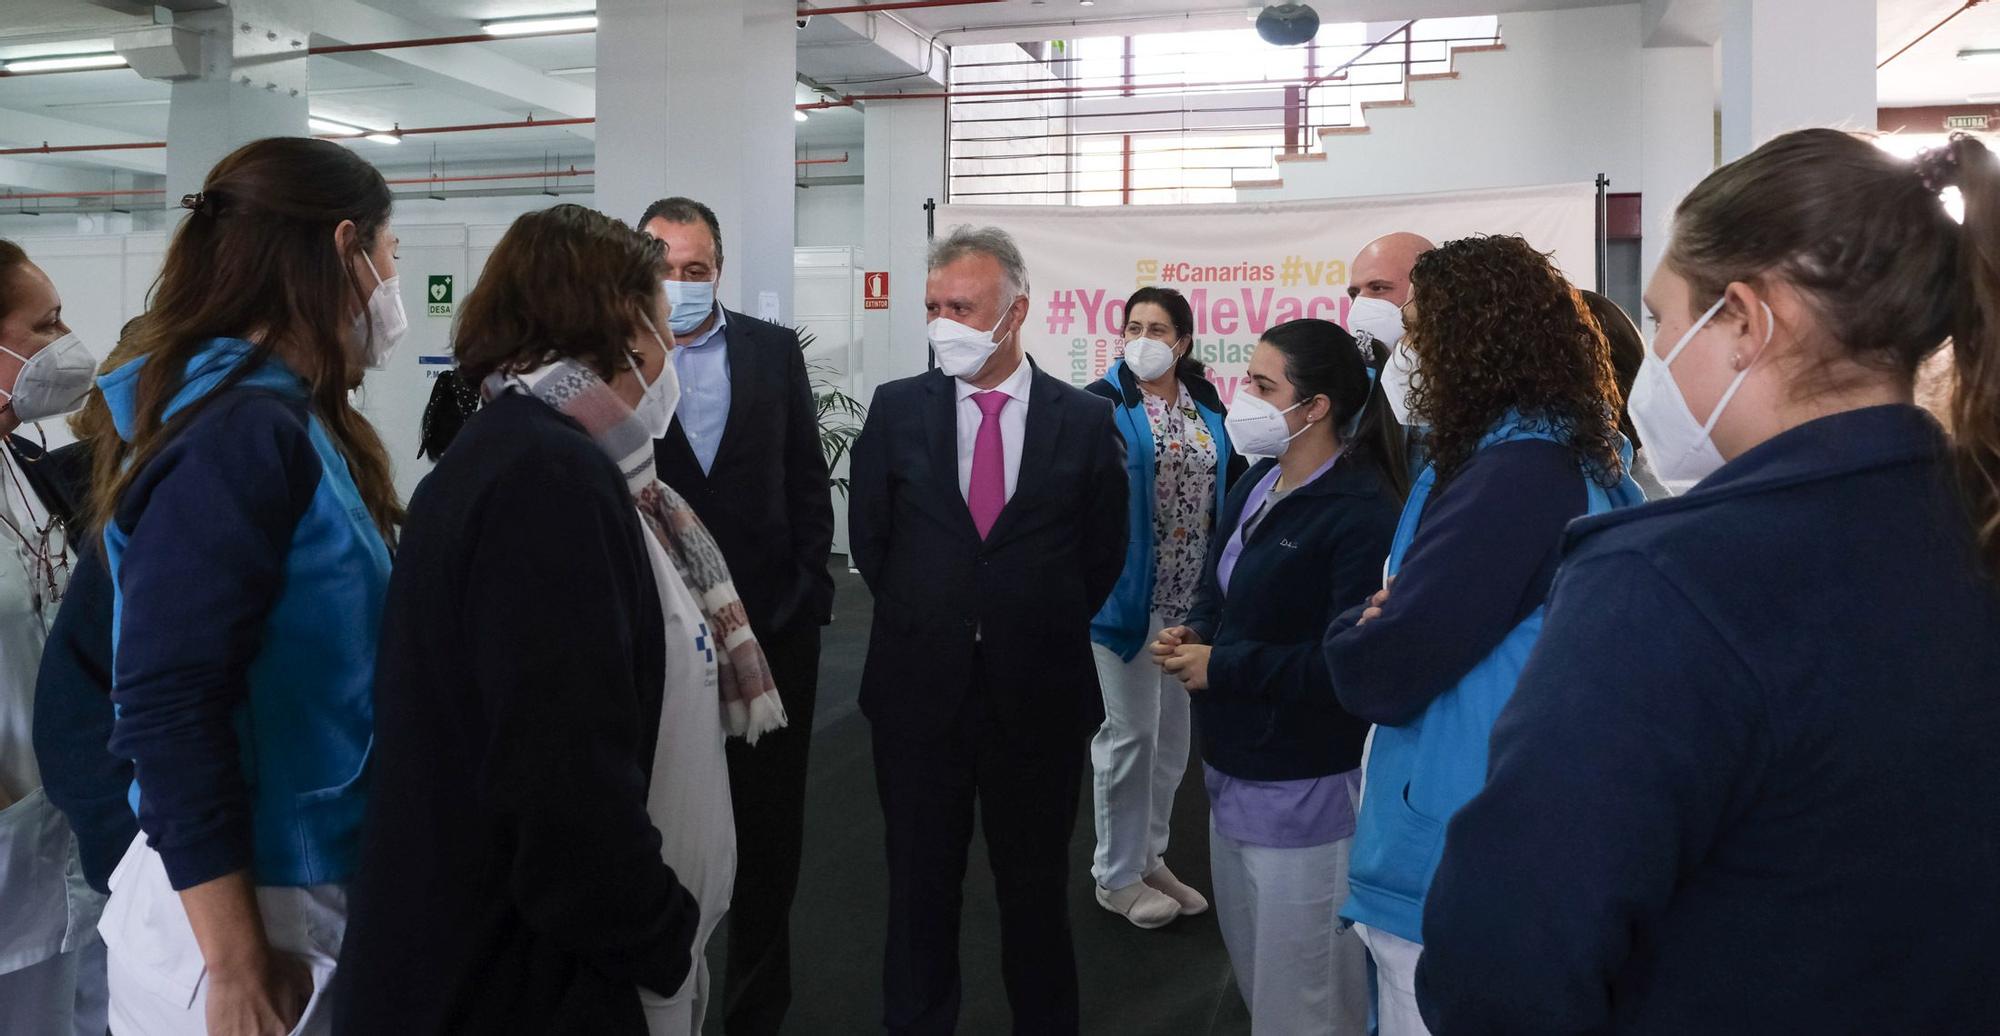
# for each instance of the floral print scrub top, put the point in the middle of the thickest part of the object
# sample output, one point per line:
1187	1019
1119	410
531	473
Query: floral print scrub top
1184	468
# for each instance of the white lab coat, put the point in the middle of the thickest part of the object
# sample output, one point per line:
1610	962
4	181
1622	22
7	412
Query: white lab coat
47	924
688	799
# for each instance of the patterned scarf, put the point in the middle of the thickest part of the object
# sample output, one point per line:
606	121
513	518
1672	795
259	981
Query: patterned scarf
750	703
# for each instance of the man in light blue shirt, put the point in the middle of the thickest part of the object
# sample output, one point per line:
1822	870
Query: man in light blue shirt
744	450
694	265
703	365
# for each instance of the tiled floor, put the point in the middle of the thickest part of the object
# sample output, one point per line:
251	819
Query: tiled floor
1171	982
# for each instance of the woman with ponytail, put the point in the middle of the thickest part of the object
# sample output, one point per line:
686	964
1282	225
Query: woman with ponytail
1301	537
246	520
1747	781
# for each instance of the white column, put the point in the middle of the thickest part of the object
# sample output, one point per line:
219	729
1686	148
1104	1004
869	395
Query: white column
904	162
253	85
1790	64
766	134
694	98
1677	116
632	127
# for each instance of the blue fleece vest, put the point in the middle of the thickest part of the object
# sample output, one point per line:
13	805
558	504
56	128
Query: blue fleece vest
1421	773
307	724
1124	621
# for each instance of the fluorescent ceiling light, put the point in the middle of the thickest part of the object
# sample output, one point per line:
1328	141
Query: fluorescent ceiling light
542	23
1979	54
65	63
330	127
798	116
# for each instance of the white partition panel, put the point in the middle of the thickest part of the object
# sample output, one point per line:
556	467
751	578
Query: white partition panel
827	286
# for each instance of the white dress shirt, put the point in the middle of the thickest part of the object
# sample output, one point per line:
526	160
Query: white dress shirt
1013	425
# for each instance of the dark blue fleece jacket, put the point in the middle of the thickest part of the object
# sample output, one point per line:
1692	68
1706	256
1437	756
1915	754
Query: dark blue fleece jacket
1748	781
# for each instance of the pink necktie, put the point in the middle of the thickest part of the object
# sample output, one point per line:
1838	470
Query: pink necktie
988	492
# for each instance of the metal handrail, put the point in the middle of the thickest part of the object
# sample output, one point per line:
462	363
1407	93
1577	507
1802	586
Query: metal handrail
1077	144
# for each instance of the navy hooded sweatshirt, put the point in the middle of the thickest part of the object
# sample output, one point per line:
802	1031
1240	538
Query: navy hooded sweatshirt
1748	782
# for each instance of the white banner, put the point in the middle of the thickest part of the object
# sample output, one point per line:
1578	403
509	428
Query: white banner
1244	267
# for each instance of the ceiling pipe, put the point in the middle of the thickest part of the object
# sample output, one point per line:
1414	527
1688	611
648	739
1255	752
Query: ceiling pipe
475	127
899	5
405	181
77	194
481	37
1969	5
64	149
438	41
408	181
1111	89
398	131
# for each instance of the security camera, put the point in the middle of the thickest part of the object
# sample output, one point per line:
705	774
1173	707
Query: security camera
1287	24
803	21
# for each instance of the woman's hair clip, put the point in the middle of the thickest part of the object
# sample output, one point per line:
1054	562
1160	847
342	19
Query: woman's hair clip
197	202
1938	167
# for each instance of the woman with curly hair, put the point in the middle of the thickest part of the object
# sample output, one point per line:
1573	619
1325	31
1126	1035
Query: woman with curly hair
1515	382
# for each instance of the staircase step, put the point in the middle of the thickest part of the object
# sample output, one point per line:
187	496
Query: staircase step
1249	185
1312	156
1341	131
1482	48
1425	77
1401	102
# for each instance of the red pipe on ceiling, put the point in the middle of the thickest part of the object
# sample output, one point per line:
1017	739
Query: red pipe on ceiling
399	131
481	37
1969	5
416	180
78	194
45	149
897	5
1114	89
407	181
437	41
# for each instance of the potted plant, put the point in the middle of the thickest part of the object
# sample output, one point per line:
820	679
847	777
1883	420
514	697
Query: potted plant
839	414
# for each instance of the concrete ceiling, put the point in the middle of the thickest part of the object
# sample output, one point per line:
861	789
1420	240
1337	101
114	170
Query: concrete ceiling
507	80
1931	72
1031	20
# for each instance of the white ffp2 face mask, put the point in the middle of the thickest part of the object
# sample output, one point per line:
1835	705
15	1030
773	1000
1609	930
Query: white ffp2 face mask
659	400
1382	319
381	325
53	381
1148	358
1258	429
962	350
1399	373
1677	446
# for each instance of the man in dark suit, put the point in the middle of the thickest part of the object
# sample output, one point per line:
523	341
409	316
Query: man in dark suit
987	514
744	450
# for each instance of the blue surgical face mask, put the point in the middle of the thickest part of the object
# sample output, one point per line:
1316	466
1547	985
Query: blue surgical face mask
690	303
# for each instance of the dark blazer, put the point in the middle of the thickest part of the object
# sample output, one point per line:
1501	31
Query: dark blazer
1270	712
768	500
1011	613
510	878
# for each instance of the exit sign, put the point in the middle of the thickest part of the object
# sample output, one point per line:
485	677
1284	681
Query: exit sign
1965	122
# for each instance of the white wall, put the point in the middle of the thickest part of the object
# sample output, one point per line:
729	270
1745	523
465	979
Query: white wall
830	215
1559	105
104	280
